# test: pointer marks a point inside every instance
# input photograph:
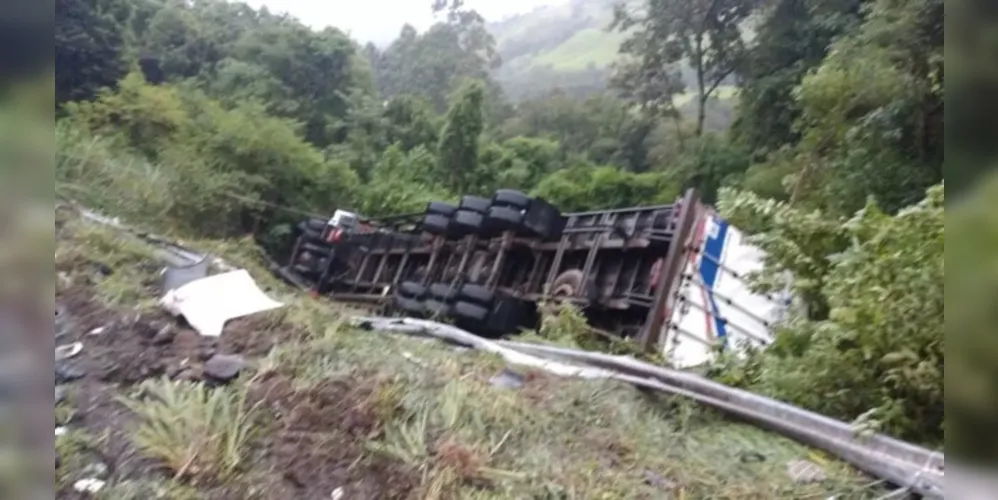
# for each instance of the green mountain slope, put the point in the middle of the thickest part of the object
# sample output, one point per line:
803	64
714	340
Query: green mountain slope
569	46
566	45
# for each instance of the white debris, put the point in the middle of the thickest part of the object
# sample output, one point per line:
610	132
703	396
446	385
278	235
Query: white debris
337	494
68	351
90	485
209	302
60	431
805	471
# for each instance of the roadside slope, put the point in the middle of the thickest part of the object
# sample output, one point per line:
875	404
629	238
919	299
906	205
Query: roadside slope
322	406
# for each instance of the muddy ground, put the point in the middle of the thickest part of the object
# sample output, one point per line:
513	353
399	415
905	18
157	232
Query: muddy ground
308	446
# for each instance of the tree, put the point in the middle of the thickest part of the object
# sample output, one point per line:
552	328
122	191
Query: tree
433	64
791	40
457	152
872	341
706	33
88	49
584	186
871	113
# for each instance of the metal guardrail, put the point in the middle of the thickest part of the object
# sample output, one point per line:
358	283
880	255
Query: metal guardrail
910	466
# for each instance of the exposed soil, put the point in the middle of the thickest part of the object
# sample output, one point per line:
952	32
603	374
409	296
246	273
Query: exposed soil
310	441
315	439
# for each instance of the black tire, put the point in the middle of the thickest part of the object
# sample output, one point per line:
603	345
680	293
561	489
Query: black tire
442	292
312	224
440	208
504	219
475	204
511	198
467	221
477	294
466	311
436	224
312	236
409	306
436	308
315	248
412	290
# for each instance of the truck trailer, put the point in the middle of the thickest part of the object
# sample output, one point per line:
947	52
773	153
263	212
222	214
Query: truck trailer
671	277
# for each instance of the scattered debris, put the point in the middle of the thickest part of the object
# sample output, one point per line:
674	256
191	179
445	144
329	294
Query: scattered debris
68	351
337	494
96	470
224	367
658	481
89	485
508	379
97	331
60	431
164	335
805	471
175	277
209	302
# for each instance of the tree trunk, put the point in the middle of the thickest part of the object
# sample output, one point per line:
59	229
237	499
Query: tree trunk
701	112
679	131
701	87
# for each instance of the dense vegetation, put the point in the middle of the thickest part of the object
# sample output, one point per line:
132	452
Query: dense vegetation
219	120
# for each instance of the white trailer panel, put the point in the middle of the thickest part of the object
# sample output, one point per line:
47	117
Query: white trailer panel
715	306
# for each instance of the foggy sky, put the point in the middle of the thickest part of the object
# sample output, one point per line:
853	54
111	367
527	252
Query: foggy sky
380	21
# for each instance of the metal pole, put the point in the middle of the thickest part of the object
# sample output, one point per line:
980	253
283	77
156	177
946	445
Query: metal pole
667	277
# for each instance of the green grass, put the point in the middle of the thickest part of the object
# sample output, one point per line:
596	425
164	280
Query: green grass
590	46
194	430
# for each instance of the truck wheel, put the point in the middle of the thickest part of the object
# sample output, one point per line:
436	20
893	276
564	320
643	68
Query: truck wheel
436	224
466	311
315	248
477	294
436	308
511	198
411	289
475	204
467	221
312	224
567	284
442	292
505	219
411	307
440	208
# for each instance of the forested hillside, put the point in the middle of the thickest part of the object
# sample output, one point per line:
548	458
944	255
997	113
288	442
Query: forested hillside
567	45
219	120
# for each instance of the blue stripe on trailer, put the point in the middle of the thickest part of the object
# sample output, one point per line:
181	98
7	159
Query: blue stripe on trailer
709	269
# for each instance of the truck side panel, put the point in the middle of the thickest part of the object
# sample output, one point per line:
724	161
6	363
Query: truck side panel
715	304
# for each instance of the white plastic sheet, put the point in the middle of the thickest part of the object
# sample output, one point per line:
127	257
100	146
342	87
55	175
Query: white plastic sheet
209	302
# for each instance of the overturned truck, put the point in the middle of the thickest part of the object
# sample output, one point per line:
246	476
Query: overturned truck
671	277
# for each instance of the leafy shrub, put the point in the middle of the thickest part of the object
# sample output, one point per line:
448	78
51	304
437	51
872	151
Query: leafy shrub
196	431
581	186
401	183
880	279
213	170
